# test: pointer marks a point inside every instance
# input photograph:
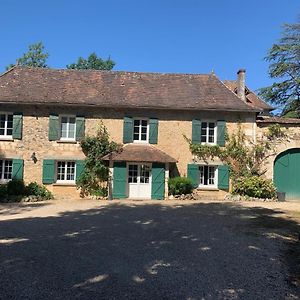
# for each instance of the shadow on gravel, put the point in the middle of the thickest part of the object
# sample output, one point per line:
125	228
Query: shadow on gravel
18	208
199	251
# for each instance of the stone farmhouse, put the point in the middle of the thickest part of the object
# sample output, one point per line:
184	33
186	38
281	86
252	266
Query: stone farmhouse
44	113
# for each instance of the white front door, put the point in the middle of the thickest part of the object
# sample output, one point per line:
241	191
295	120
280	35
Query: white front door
139	181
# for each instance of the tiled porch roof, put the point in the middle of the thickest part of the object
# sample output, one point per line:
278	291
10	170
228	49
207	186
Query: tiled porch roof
141	153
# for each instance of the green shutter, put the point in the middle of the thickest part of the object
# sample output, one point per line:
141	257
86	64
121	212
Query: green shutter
158	181
79	168
193	173
221	131
153	131
17	126
80	128
17	169
119	180
48	171
223	177
196	131
53	128
128	130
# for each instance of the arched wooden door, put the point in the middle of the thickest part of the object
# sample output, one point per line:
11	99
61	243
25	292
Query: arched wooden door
287	173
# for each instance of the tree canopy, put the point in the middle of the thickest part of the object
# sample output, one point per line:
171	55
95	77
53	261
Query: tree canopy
284	59
34	57
93	62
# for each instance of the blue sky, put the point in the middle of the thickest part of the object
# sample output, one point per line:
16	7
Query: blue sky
182	36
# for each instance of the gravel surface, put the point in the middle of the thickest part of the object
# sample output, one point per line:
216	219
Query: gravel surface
142	250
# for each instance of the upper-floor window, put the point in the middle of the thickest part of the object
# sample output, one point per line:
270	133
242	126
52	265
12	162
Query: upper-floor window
66	171
6	125
140	130
208	132
5	169
67	128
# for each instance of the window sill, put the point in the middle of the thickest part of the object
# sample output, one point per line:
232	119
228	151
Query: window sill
6	138
66	141
64	184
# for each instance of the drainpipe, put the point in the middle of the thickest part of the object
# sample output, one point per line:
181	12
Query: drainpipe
167	181
110	176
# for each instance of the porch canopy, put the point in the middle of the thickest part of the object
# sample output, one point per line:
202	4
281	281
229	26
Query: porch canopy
141	153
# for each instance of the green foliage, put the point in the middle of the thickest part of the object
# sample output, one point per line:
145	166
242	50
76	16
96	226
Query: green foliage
284	59
254	186
275	132
16	187
96	171
180	185
100	192
93	62
205	151
3	191
34	57
35	189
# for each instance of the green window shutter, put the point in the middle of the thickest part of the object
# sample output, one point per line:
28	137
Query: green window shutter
80	128
17	169
158	181
223	177
193	173
53	128
153	131
79	168
196	131
128	130
221	131
120	180
48	171
17	126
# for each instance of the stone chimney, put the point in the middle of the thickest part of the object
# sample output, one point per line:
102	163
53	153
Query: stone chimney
241	84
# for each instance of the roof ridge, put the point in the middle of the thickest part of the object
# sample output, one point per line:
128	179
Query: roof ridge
113	71
9	70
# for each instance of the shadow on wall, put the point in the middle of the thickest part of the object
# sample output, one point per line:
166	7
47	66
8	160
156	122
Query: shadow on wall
199	251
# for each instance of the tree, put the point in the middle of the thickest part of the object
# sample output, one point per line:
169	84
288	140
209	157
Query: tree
284	59
34	57
93	62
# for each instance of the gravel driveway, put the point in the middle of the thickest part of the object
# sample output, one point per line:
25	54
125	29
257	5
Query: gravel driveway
142	250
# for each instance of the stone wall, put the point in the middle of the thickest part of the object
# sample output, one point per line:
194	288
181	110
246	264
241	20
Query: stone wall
173	125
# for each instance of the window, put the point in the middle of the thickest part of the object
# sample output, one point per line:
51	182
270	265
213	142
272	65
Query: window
68	128
208	176
132	173
144	174
65	171
6	125
5	170
140	130
208	132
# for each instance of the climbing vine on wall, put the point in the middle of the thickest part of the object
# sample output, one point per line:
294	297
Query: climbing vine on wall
93	179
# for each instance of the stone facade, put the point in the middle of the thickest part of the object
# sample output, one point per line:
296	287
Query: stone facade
173	125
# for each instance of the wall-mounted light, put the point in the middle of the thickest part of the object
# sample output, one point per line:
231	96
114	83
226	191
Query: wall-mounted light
33	157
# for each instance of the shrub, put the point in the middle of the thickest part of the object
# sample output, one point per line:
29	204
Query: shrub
254	186
100	192
35	189
180	185
16	187
3	191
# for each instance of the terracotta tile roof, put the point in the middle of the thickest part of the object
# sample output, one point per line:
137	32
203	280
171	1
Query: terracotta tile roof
141	153
117	89
252	98
279	120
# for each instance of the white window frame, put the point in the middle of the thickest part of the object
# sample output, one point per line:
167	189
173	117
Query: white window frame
207	132
140	131
65	172
68	124
207	186
2	179
5	135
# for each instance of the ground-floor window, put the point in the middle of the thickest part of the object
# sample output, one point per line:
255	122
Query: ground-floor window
208	176
66	171
5	169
